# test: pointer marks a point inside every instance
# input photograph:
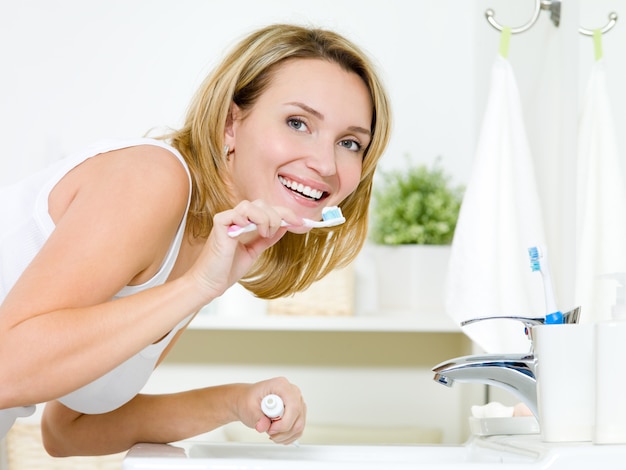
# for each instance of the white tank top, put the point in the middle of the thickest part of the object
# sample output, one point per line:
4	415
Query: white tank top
25	225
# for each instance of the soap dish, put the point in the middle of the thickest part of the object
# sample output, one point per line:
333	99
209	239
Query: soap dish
496	426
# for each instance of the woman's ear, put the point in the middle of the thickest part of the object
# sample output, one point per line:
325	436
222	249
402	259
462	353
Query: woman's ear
229	130
234	114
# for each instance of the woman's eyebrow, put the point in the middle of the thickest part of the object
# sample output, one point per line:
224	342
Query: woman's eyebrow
317	114
360	130
308	109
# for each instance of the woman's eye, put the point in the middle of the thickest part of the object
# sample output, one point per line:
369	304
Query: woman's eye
297	124
351	145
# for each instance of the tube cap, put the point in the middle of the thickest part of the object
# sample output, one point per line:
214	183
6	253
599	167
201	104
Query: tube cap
272	406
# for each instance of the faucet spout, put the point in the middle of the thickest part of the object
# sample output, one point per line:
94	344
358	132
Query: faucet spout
512	372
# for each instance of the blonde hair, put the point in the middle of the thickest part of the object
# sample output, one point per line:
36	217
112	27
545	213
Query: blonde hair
295	261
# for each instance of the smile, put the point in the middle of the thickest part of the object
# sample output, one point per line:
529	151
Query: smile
299	188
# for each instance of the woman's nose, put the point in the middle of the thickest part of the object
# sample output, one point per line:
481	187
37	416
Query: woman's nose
322	159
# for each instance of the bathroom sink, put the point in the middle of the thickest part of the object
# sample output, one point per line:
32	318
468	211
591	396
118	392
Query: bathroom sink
495	452
231	456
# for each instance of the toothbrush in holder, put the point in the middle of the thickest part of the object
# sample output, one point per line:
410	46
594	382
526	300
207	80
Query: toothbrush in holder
273	407
331	216
539	262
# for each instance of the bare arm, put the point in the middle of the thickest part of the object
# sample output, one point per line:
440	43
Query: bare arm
113	227
170	418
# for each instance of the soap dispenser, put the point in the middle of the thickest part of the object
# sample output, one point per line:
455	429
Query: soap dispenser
610	348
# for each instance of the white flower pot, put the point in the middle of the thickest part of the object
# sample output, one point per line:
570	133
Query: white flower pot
411	278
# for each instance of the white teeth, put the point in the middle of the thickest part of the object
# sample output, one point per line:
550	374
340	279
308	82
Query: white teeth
299	187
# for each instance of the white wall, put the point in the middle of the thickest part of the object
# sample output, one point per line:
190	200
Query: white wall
76	71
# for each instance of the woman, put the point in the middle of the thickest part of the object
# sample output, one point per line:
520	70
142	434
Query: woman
107	256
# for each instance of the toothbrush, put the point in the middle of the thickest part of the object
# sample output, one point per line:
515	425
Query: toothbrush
331	216
539	262
273	407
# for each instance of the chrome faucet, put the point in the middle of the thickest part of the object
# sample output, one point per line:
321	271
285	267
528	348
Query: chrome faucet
513	372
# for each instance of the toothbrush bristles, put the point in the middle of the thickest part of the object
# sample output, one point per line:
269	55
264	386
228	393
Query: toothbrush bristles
331	212
534	254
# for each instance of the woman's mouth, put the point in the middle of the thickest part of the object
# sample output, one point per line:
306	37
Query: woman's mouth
300	189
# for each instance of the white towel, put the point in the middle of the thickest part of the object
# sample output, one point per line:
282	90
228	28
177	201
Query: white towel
601	202
500	218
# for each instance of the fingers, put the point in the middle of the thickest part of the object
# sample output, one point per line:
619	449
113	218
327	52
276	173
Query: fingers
267	219
224	259
290	426
264	220
263	424
286	430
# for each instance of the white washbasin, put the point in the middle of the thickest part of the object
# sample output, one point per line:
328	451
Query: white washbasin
496	452
213	456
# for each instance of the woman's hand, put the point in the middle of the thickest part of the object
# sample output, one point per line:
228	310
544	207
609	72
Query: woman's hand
172	417
224	260
285	430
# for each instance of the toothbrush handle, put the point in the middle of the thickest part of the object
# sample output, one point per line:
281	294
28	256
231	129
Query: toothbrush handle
235	230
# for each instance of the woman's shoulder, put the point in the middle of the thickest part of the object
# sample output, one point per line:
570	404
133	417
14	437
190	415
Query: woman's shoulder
144	178
150	165
139	154
142	153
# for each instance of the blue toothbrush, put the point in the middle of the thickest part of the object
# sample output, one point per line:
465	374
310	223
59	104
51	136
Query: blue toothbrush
539	262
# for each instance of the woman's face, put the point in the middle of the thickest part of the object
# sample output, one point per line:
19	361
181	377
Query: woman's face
302	143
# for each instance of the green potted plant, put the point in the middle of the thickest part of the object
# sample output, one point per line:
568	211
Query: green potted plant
415	205
414	215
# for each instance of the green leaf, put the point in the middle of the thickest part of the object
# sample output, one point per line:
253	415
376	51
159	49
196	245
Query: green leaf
415	205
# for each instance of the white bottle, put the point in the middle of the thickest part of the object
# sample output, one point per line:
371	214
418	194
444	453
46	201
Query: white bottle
610	347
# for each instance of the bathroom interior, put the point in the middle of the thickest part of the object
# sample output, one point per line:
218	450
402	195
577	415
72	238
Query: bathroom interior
76	72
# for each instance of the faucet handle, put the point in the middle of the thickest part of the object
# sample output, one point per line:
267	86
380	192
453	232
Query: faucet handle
527	321
571	316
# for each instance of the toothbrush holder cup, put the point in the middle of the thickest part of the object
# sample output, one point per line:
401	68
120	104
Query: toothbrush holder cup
565	371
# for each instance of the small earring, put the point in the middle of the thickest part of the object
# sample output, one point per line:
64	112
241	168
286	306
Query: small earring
225	151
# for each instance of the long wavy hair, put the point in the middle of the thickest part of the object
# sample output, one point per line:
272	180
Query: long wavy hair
296	261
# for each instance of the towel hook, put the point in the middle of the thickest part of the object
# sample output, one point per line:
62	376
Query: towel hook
607	27
554	6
